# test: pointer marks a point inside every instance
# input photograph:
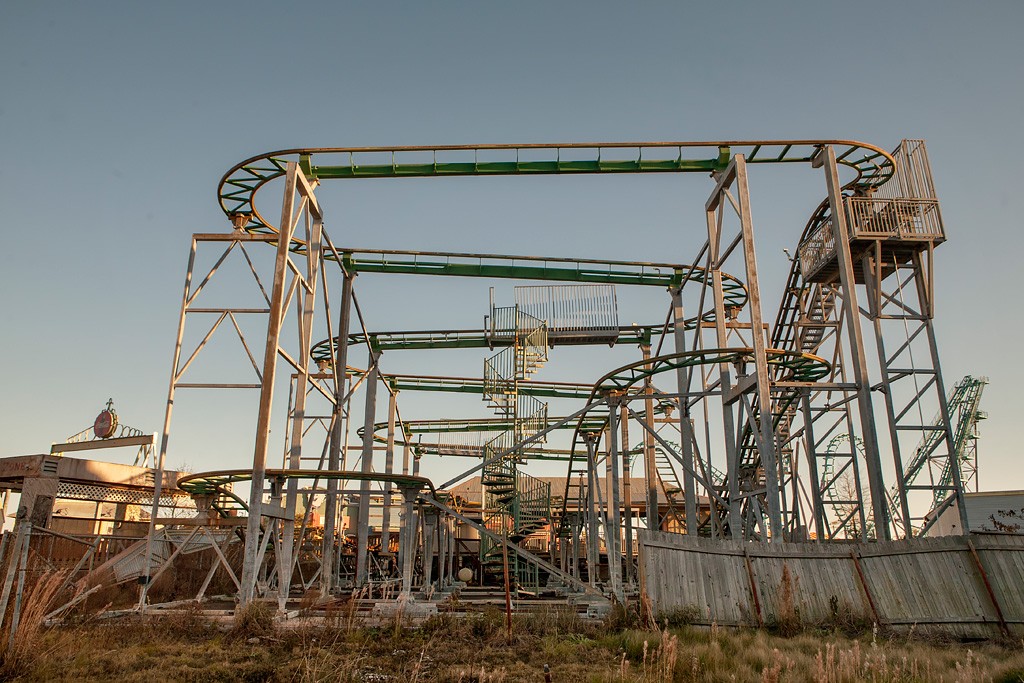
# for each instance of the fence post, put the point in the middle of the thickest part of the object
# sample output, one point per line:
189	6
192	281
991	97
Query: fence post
753	587
22	568
988	587
864	585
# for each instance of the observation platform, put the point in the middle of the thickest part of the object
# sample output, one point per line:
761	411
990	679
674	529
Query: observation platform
895	229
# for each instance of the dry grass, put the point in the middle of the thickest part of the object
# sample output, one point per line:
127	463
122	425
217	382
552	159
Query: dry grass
39	599
255	620
475	647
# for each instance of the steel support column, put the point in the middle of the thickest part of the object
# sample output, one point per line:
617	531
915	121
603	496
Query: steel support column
685	431
818	513
627	493
826	157
650	456
389	468
593	550
289	544
732	454
430	522
269	375
337	437
613	532
407	538
366	462
767	446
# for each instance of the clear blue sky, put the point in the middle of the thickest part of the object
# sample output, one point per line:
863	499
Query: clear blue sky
118	119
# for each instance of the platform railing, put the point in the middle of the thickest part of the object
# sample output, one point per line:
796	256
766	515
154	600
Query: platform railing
502	322
533	504
463	443
499	444
573	312
913	174
904	208
873	217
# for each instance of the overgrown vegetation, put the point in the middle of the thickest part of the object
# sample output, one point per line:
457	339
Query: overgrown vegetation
632	644
476	647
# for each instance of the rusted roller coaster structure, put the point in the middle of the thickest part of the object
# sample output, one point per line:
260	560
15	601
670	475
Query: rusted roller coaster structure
797	429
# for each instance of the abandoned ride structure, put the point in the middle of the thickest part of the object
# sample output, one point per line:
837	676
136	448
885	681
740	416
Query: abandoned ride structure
815	415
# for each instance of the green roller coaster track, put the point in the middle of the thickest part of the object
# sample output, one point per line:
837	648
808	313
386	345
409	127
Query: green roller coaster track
471	339
418	340
964	401
457	264
239	186
469	385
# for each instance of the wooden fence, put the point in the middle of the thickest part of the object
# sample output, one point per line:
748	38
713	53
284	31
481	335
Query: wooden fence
965	586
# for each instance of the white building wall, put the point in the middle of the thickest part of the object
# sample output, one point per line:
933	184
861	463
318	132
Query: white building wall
986	511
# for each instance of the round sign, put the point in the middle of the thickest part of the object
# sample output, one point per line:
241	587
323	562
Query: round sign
105	424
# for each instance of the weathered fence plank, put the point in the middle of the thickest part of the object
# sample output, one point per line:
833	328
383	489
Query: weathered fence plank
930	584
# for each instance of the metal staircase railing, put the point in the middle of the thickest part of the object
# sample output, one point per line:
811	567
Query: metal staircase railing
519	505
532	340
531	417
500	381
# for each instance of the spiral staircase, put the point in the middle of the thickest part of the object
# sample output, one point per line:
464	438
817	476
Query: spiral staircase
517	506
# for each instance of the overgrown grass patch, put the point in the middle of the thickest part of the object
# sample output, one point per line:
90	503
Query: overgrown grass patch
477	647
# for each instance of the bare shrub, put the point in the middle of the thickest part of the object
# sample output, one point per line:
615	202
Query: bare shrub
847	619
551	621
